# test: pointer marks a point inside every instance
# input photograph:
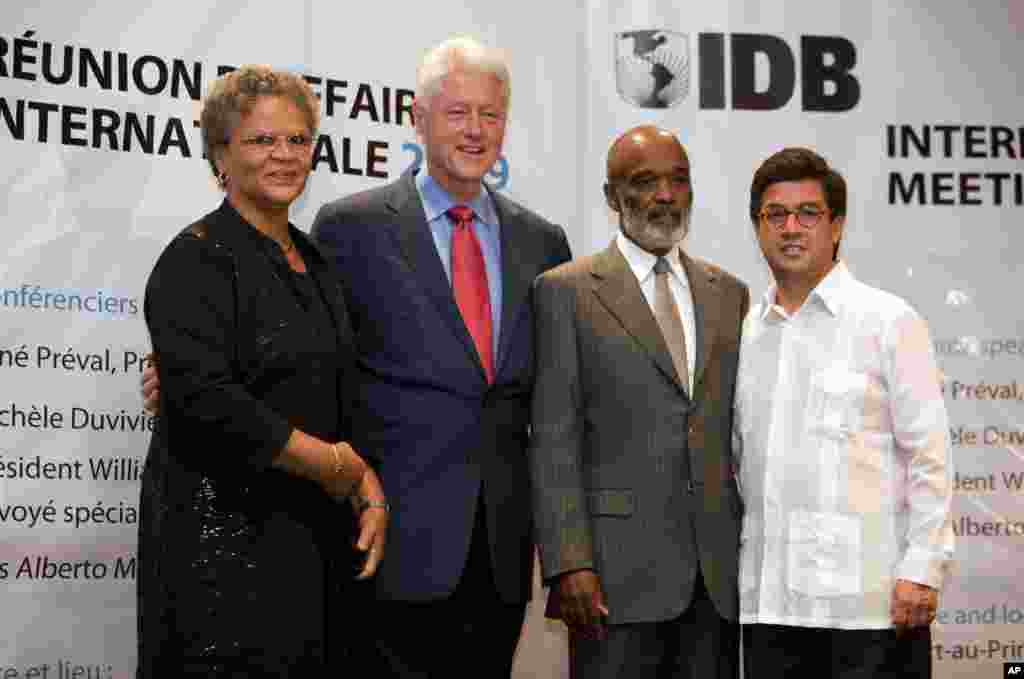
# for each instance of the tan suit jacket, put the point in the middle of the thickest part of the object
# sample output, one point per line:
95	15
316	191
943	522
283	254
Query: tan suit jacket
613	426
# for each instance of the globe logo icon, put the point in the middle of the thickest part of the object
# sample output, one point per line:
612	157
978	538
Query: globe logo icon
652	67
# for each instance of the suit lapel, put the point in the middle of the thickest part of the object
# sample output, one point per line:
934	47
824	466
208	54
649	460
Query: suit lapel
619	291
417	246
706	303
515	272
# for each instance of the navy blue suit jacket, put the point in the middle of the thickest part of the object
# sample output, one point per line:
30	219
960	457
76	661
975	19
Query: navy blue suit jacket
424	412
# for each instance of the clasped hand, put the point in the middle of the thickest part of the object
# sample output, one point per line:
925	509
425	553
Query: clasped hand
913	605
581	603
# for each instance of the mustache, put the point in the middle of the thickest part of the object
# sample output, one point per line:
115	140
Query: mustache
657	213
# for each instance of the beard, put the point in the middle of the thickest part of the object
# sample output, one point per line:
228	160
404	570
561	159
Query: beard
657	229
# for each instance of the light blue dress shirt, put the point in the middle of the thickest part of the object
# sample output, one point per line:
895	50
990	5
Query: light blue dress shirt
436	202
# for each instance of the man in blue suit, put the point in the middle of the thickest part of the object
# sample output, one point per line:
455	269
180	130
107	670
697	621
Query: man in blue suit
437	270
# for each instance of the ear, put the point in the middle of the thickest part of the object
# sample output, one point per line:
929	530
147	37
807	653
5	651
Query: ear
837	229
217	156
837	235
419	115
611	198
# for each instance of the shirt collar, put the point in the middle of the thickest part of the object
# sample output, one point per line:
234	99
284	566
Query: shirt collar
436	201
642	262
829	291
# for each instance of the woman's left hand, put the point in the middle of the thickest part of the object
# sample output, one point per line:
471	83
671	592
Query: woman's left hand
370	506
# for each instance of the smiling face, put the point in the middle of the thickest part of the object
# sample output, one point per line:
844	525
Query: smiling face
649	186
462	128
268	157
797	254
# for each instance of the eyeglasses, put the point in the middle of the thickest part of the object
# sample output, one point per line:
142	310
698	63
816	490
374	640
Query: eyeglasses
807	216
268	142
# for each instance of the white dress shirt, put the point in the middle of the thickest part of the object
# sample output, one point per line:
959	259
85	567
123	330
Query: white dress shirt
641	263
841	443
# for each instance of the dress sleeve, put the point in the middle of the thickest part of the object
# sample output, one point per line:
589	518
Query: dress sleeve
190	312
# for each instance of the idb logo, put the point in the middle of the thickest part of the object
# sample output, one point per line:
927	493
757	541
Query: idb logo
652	70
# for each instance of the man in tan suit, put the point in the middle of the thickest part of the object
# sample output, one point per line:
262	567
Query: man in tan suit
637	510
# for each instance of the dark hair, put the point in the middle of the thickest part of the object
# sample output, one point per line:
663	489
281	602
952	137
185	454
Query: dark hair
796	164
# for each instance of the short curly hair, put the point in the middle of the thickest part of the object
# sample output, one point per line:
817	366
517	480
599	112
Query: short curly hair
235	94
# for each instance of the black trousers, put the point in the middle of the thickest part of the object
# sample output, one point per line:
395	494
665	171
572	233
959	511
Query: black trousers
473	632
771	651
698	643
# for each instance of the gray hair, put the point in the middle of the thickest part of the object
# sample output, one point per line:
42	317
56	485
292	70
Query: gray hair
462	51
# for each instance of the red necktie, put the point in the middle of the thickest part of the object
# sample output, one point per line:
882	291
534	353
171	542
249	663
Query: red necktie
469	283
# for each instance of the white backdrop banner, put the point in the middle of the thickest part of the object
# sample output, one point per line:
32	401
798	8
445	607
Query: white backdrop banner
918	107
102	165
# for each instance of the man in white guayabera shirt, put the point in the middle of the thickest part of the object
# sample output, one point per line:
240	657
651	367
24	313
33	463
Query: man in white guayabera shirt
840	440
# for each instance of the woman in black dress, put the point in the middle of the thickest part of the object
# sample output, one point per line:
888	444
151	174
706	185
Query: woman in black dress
244	549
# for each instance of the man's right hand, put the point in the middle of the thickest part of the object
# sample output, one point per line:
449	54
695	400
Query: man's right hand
581	603
150	386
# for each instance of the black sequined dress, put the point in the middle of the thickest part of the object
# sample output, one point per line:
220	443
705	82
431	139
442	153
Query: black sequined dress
243	569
